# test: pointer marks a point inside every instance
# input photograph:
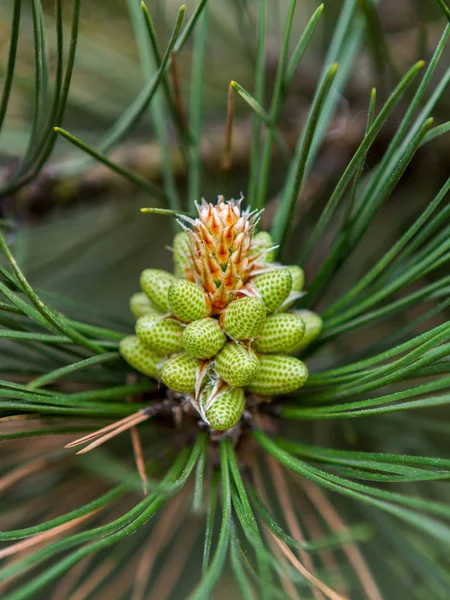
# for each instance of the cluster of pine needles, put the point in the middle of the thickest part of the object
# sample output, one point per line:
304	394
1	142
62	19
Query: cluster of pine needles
336	492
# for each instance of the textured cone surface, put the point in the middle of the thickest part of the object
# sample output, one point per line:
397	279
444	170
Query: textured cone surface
263	245
244	318
140	357
278	374
140	305
182	256
220	242
203	338
162	335
227	409
274	287
236	365
298	277
187	301
155	283
281	333
179	373
313	327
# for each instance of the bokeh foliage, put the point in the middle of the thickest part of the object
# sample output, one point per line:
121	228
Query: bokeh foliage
354	186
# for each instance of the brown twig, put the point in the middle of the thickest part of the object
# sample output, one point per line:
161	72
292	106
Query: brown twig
139	457
119	585
68	581
316	530
352	551
291	519
103	430
26	417
98	442
43	537
16	475
175	563
166	527
106	433
92	581
64	497
315	582
287	584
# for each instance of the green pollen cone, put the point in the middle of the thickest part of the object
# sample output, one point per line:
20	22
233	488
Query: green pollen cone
226	409
187	301
179	373
281	333
236	365
278	374
140	305
181	254
203	338
155	283
298	277
141	357
274	287
244	318
260	242
313	327
162	335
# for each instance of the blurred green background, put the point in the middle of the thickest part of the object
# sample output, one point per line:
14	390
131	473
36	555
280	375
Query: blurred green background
80	232
78	228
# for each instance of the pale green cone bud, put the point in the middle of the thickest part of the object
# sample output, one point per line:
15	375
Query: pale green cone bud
278	374
274	287
140	305
313	327
203	338
236	365
155	283
187	301
298	277
181	254
263	241
243	319
281	332
179	373
140	357
162	335
226	409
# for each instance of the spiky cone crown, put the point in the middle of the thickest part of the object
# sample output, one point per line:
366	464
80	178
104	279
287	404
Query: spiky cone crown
218	330
222	255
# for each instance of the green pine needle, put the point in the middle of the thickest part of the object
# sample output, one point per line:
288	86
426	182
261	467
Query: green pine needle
320	493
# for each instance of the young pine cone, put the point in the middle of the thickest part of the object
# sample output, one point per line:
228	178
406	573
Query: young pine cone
217	331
